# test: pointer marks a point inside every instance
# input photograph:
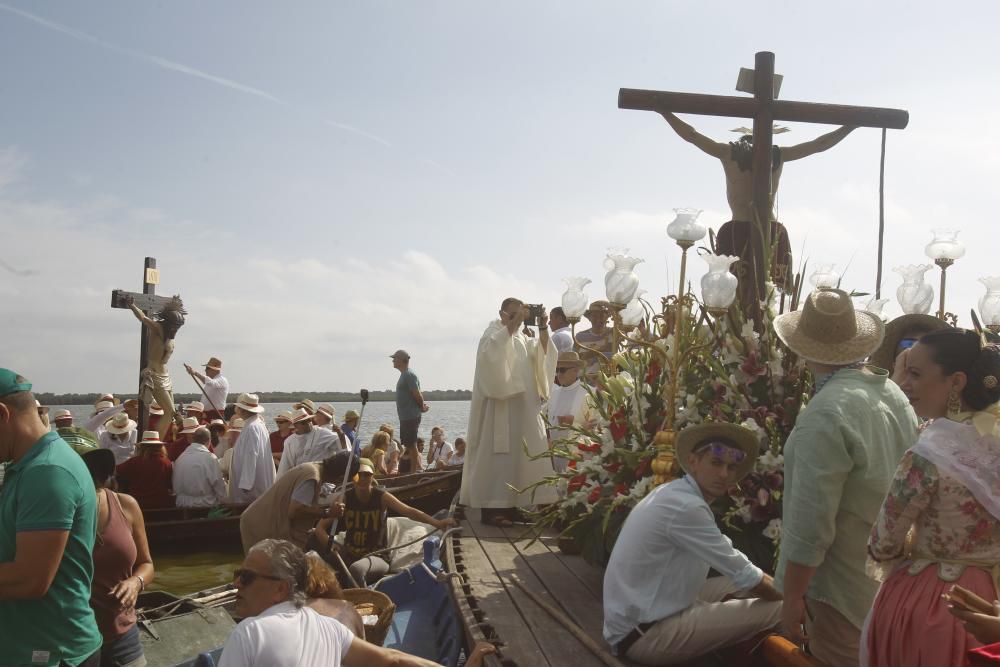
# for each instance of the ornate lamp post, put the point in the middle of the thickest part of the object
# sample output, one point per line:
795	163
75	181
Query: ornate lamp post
989	304
574	299
944	249
718	286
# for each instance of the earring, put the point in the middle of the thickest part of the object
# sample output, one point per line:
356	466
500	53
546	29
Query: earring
954	403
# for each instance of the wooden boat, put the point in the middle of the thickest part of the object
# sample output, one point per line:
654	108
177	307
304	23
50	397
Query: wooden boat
196	529
172	626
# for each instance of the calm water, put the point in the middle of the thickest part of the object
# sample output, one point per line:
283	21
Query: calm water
194	572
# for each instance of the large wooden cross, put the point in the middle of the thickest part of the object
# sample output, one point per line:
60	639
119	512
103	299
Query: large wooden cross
764	110
148	302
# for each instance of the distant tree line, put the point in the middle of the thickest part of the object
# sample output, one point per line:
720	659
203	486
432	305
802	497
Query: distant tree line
48	398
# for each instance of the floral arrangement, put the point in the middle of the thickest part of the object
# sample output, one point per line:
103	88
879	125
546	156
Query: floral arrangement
733	374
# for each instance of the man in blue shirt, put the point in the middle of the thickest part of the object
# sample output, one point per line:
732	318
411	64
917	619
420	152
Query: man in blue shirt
659	606
48	516
410	407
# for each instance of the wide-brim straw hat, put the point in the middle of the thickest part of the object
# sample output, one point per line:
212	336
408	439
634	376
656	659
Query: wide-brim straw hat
284	415
250	403
326	410
214	364
235	425
829	330
190	425
197	406
120	424
731	435
155	409
885	355
569	359
150	438
301	415
100	462
101	406
307	404
62	414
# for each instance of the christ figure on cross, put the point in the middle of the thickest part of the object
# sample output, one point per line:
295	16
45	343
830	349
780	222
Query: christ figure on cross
734	237
155	380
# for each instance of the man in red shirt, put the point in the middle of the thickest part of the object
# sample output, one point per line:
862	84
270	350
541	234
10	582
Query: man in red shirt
283	420
183	439
148	475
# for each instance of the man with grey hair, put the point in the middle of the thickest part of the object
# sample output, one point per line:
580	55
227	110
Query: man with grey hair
197	477
279	630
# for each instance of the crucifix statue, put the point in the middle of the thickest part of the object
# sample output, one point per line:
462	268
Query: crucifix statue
161	317
753	164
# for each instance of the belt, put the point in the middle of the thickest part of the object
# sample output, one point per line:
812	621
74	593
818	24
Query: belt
632	637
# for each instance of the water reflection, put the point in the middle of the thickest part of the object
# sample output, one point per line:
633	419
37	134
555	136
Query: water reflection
188	573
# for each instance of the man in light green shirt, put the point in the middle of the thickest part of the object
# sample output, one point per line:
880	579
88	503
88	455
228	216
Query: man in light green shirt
839	461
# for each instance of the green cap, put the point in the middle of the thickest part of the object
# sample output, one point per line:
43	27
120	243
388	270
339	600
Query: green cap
9	384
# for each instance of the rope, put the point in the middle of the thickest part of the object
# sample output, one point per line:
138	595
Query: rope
881	218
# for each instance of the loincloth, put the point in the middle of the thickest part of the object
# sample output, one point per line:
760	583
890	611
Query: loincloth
150	381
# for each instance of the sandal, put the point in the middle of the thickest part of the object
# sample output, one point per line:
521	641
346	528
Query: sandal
499	521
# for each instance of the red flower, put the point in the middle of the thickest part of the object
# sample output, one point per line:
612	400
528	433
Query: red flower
618	425
571	464
595	495
752	366
613	467
640	470
653	372
621	490
591	447
575	483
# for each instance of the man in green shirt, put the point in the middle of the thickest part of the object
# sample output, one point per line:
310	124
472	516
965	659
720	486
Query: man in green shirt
839	462
410	407
48	516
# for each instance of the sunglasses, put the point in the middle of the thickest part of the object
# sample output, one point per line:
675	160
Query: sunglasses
905	344
247	577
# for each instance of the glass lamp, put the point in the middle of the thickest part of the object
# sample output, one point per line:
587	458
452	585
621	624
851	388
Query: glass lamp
718	286
620	282
944	249
914	295
825	277
685	229
574	299
989	303
633	313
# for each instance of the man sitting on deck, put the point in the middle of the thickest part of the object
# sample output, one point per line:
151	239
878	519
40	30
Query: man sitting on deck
659	609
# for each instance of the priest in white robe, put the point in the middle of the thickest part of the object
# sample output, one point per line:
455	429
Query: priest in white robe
513	373
252	470
309	443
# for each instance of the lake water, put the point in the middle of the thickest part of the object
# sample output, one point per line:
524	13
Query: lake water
193	572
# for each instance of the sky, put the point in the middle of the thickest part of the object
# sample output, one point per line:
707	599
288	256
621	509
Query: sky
326	182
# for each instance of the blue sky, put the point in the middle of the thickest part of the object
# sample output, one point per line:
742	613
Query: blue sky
326	182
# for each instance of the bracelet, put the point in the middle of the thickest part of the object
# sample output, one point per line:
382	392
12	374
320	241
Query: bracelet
142	584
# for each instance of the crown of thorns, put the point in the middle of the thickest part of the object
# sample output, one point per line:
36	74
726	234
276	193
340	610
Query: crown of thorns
172	311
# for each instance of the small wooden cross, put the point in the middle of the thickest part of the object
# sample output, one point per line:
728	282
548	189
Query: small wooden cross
148	302
764	110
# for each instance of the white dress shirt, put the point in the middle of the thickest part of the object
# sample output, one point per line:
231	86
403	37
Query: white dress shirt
318	444
287	636
198	479
440	453
216	392
122	449
252	471
662	557
562	339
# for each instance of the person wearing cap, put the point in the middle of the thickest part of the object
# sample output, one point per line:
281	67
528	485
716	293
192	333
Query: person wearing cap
598	337
839	461
901	334
183	439
148	476
197	477
307	444
215	388
349	430
123	566
290	508
119	437
659	606
252	470
410	407
48	524
104	409
566	398
362	515
277	437
506	433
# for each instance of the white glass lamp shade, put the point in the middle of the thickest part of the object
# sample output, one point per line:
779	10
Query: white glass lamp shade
633	313
620	283
989	303
944	245
915	296
718	286
574	299
685	228
825	277
876	306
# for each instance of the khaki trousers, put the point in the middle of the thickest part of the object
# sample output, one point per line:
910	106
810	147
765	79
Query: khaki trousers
706	625
833	639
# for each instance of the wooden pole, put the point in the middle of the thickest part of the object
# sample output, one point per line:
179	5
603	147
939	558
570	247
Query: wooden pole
763	137
147	288
881	218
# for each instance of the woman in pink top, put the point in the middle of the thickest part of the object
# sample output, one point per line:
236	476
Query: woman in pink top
122	564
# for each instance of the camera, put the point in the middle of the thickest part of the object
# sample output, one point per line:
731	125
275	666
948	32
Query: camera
535	310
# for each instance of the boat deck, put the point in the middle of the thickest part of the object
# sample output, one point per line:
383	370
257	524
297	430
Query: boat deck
494	562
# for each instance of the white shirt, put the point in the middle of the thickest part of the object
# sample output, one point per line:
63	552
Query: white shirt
286	636
562	339
441	453
564	402
662	558
216	392
197	478
252	471
318	444
122	449
96	422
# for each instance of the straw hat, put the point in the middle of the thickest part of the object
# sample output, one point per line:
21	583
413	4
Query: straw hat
283	416
828	330
155	409
214	364
307	404
62	414
732	435
235	425
569	359
191	424
301	415
327	410
250	403
103	405
885	355
120	424
150	438
197	406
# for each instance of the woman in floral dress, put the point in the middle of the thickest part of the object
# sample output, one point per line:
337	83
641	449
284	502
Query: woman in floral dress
940	524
